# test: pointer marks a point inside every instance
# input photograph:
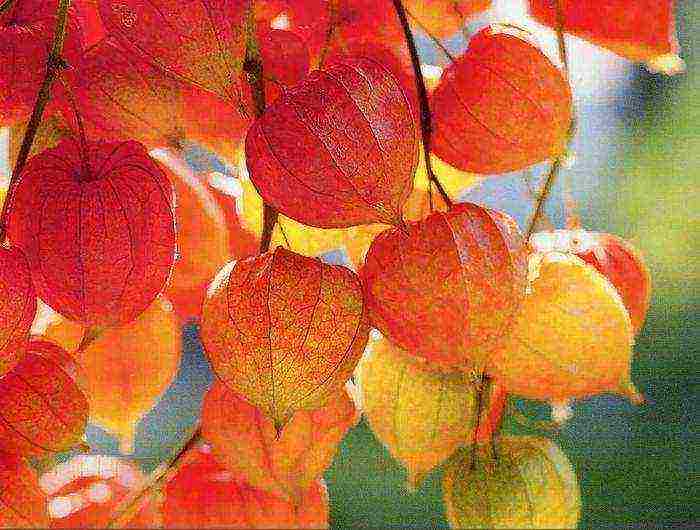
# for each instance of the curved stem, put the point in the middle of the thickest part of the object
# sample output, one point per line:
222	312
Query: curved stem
253	68
130	505
332	23
426	120
54	64
557	163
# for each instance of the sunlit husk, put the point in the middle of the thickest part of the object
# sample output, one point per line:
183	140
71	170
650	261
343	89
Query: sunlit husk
571	339
530	484
421	416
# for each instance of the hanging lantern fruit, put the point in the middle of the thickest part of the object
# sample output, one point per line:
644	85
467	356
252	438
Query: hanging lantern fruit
245	440
449	288
613	257
421	416
204	494
529	484
42	406
642	31
501	106
343	140
96	223
127	368
284	331
23	503
17	306
85	490
572	337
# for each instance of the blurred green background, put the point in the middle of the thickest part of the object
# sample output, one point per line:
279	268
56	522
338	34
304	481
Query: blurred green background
636	175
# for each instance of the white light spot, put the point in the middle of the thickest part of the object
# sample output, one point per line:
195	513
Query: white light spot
226	184
99	492
281	21
220	278
60	507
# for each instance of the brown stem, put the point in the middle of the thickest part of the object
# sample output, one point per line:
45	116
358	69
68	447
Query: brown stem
332	23
129	506
556	164
426	119
481	385
6	5
253	68
54	64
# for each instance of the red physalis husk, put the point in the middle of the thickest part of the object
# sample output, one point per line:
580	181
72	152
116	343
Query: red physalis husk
122	95
18	306
204	43
343	140
285	62
42	405
23	504
205	494
245	440
449	289
85	490
284	331
88	14
97	227
613	257
26	33
642	31
442	18
501	106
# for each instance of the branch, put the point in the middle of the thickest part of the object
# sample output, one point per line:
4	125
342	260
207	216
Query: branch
54	64
129	506
426	120
253	68
557	163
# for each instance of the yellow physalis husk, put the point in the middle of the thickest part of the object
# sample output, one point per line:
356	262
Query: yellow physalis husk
529	484
421	416
572	338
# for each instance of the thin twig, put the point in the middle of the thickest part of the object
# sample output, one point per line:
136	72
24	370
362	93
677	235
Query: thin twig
330	31
54	64
426	119
253	68
557	162
481	386
127	508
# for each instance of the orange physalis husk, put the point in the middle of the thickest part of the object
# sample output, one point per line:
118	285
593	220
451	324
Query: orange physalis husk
246	442
204	234
284	331
85	490
42	405
613	257
97	225
642	31
572	337
205	494
449	288
422	416
529	483
17	307
127	368
343	140
23	504
443	18
501	106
